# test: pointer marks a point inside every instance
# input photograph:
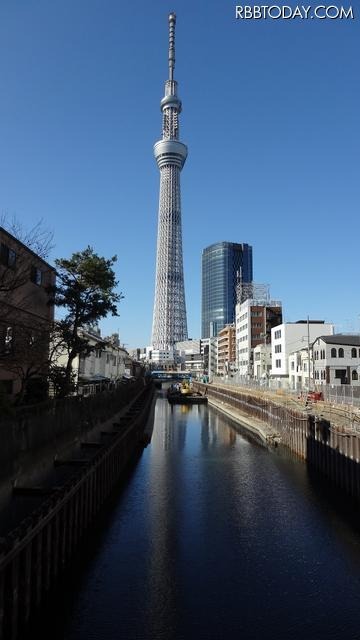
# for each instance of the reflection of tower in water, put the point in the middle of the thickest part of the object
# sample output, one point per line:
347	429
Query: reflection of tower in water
215	431
171	426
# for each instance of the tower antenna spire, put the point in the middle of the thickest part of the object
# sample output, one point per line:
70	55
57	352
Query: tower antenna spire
172	23
169	317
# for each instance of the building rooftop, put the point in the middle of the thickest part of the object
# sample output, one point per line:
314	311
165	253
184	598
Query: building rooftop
27	249
341	338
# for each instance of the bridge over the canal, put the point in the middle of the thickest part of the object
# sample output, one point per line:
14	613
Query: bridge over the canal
171	375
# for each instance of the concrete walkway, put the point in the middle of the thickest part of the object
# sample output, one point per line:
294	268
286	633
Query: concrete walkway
265	432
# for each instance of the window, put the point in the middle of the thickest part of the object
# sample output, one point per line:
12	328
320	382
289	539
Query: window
278	364
277	334
7	343
353	352
12	258
278	348
7	256
36	275
292	365
32	338
341	352
333	353
354	375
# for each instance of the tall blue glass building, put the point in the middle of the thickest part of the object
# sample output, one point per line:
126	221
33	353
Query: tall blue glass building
222	264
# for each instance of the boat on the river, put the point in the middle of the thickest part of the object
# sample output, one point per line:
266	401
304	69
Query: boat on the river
185	394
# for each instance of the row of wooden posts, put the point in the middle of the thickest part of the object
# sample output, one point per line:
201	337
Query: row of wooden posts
34	554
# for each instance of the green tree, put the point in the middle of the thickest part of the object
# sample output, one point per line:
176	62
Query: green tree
85	288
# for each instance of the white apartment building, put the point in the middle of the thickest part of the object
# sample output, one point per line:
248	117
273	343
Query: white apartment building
189	355
253	322
336	360
292	336
262	361
299	369
164	358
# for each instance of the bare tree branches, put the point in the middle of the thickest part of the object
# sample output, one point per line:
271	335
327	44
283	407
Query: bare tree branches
38	239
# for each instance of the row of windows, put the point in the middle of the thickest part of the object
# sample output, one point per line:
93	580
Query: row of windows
8	258
334	353
277	334
9	336
320	375
278	348
322	354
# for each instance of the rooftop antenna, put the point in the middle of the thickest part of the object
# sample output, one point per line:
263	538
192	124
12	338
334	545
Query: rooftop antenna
172	23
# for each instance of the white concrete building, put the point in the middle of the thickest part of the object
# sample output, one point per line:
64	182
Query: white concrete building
299	369
189	355
164	358
292	336
336	360
262	361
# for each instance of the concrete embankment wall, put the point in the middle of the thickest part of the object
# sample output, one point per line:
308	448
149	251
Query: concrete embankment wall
33	555
323	446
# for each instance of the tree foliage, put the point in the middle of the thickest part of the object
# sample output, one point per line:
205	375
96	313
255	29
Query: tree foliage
85	289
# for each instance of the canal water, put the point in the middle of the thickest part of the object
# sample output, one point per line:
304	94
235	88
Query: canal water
214	536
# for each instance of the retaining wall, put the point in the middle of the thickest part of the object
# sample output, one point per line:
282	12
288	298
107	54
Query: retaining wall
322	445
34	436
34	554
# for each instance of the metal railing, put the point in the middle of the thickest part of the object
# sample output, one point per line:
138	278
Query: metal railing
336	394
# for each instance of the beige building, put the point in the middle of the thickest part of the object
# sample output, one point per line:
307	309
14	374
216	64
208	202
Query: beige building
107	362
226	360
25	314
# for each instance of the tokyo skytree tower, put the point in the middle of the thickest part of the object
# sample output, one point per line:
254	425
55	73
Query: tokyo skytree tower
169	317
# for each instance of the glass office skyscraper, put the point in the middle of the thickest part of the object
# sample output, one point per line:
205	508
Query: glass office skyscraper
222	265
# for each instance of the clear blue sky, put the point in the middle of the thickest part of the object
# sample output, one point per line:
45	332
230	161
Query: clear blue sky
270	116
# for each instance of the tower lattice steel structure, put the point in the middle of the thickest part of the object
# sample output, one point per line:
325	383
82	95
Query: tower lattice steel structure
169	318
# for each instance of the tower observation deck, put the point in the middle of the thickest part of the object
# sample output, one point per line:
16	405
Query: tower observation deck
169	316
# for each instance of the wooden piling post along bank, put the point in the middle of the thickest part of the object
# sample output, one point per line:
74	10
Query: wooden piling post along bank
329	449
34	554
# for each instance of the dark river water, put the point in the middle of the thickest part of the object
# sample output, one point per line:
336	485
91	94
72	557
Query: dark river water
214	536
